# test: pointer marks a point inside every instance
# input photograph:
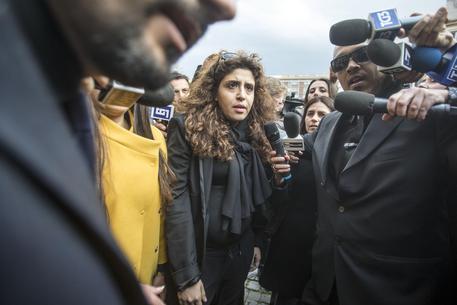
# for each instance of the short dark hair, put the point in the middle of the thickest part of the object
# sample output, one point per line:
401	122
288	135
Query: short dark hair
176	75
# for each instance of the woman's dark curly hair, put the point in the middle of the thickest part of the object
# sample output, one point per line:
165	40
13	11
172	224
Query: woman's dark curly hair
207	129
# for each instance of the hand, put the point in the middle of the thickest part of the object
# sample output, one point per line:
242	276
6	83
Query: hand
162	128
256	258
159	281
293	158
193	295
280	167
152	294
431	85
414	103
431	31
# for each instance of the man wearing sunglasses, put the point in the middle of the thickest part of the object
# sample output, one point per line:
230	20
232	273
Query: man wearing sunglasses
355	71
383	235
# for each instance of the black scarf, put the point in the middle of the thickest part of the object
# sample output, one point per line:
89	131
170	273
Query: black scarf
247	184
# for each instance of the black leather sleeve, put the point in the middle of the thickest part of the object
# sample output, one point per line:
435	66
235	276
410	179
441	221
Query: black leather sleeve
179	226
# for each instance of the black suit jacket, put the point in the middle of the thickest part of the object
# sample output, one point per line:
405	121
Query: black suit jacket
55	244
382	231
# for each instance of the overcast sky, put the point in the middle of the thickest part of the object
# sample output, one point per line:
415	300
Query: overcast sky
291	36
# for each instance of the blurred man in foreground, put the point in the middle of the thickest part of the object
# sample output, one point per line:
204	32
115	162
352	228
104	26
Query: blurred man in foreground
56	246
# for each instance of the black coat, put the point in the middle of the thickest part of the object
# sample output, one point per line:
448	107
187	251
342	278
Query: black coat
287	267
382	231
56	247
186	224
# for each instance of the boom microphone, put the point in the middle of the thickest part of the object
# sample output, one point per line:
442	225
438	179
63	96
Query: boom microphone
362	103
382	24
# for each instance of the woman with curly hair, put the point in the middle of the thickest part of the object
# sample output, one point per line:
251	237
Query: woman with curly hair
218	151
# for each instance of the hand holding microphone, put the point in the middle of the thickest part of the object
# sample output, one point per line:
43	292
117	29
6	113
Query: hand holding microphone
279	158
440	67
415	103
382	24
412	103
430	31
425	30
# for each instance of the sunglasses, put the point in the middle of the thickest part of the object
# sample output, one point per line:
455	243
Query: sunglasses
223	56
340	63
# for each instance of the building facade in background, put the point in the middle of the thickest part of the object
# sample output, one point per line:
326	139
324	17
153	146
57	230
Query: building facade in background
452	16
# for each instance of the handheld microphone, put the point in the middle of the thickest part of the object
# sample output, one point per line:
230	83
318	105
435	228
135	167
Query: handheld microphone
389	56
157	98
294	141
273	136
381	24
121	95
362	103
442	68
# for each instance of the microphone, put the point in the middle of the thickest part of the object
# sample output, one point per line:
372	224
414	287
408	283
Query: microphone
391	57
294	141
440	67
157	98
292	124
381	24
273	136
122	95
362	103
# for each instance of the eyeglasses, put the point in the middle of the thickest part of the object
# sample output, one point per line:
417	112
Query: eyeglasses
340	63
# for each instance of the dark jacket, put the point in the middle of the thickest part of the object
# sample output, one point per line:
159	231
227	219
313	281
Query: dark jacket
287	266
187	216
56	244
382	230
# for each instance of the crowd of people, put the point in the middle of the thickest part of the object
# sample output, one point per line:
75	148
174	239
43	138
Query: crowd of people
104	205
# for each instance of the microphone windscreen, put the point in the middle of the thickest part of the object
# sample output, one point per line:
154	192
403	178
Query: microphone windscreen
425	59
157	98
272	132
292	124
354	102
350	32
383	52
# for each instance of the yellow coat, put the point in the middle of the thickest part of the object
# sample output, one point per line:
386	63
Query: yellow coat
131	186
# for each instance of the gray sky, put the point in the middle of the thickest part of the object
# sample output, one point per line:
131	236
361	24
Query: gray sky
291	36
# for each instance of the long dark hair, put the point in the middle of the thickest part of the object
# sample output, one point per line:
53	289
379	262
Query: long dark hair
318	99
332	88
